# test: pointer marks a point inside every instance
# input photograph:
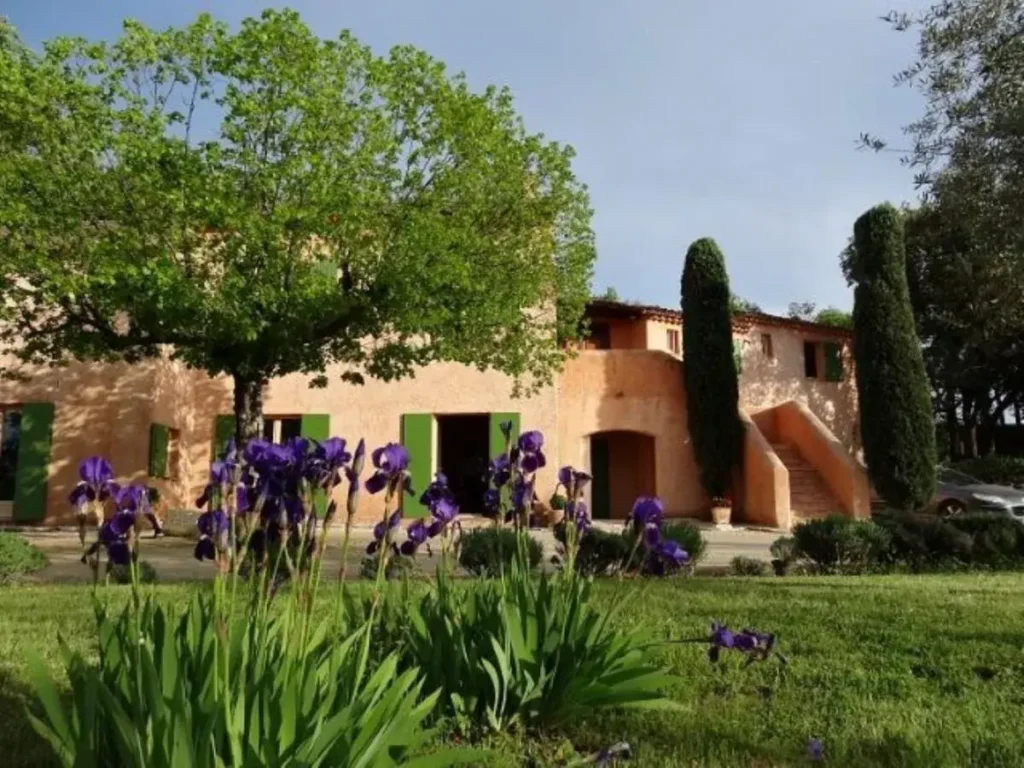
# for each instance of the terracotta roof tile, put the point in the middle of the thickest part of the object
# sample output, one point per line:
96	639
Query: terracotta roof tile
742	322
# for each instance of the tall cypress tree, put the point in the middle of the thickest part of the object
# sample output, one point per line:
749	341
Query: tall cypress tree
897	423
712	390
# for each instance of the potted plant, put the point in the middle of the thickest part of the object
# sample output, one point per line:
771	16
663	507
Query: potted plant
721	510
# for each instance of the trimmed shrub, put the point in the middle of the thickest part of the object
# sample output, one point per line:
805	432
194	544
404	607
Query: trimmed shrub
748	566
486	551
689	537
122	574
18	558
924	541
712	390
897	422
998	470
602	553
838	544
785	553
396	568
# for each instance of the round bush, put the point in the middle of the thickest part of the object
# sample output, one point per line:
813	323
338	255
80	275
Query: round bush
487	551
18	558
842	544
602	553
689	537
748	566
122	574
396	568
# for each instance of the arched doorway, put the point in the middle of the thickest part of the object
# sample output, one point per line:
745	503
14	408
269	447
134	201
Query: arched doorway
622	465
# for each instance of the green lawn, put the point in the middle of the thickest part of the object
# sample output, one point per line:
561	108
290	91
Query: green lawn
902	670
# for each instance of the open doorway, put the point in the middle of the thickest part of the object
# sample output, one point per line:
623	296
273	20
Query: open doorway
463	445
622	467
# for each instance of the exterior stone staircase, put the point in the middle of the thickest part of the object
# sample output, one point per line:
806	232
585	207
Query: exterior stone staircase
809	497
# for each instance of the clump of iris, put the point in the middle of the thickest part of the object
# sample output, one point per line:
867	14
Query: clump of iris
575	520
260	504
657	555
512	476
391	475
95	495
443	525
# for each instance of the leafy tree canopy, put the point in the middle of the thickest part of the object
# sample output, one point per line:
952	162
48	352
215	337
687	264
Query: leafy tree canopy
740	306
268	202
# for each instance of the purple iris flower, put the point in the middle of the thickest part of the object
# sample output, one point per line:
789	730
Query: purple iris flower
522	493
646	510
329	457
95	472
672	553
205	550
380	531
391	462
531	442
652	536
212	523
816	750
500	470
531	457
97	483
418	534
492	500
572	479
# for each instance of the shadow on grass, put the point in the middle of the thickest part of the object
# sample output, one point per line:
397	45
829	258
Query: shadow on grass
20	745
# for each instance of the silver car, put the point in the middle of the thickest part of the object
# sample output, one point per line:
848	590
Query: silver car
958	493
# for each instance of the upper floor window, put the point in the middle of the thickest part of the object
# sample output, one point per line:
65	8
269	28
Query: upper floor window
277	429
823	360
672	340
766	346
600	336
10	438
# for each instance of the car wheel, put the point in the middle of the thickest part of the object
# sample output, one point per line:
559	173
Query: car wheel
951	508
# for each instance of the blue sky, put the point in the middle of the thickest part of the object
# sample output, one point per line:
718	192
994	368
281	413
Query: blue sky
734	119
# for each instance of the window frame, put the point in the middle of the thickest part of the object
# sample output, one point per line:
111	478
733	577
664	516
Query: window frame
767	346
673	339
276	422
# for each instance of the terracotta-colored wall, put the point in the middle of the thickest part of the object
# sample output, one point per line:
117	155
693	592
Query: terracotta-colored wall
657	336
766	499
842	473
98	409
766	382
374	412
635	391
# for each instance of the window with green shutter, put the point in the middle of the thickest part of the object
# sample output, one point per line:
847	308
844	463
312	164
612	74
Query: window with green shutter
31	478
223	431
317	426
833	361
159	450
497	439
418	439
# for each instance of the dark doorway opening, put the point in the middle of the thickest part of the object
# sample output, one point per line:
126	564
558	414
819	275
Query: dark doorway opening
622	465
463	445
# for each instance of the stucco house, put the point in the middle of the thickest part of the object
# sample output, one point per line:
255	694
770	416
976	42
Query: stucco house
618	409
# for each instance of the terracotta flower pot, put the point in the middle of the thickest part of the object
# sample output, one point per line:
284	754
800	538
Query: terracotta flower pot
721	515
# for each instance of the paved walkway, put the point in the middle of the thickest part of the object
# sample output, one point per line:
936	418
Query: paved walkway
172	557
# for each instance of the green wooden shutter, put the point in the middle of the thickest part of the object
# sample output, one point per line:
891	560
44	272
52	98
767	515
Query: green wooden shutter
497	440
737	355
418	439
223	431
833	361
317	426
159	441
30	480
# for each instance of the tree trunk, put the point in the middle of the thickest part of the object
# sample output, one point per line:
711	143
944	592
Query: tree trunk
248	408
952	433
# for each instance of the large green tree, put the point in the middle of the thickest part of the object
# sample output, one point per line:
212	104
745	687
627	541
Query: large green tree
266	202
897	425
712	389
